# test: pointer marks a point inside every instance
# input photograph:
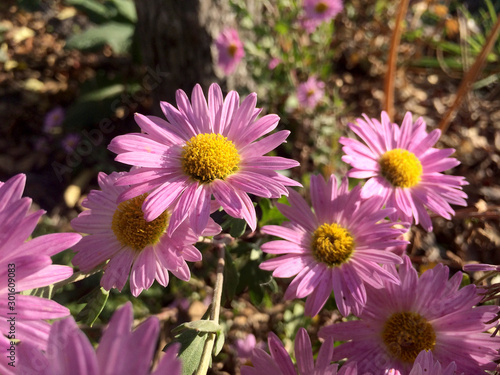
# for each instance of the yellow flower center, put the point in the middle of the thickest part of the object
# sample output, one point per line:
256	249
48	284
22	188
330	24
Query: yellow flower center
310	93
401	168
232	50
406	334
321	7
207	157
332	244
132	230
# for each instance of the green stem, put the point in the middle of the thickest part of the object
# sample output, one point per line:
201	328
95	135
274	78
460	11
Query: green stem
214	314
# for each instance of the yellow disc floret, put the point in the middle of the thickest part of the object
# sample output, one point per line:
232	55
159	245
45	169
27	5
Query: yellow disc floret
332	244
207	157
321	7
132	230
401	168
231	50
406	334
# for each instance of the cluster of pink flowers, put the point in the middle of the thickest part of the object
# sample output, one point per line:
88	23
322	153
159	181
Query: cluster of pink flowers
210	153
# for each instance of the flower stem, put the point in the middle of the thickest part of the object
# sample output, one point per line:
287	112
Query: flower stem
470	77
214	313
391	62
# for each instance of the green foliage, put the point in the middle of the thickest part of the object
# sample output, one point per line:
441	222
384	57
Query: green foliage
95	302
117	35
270	213
115	21
231	278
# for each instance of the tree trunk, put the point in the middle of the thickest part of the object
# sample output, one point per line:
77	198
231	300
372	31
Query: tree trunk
176	38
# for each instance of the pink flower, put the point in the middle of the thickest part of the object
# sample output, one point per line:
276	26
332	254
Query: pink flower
230	50
426	313
244	347
338	247
26	265
70	142
403	168
310	93
121	350
319	11
204	150
133	246
280	363
274	63
53	119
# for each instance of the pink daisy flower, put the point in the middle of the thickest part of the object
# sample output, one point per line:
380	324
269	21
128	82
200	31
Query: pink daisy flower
204	150
319	11
310	93
338	247
26	265
280	363
230	50
121	350
132	245
404	168
426	313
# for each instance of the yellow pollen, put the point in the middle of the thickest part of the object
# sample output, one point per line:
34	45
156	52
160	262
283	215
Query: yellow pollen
406	334
132	230
232	49
321	7
401	168
207	157
310	93
332	244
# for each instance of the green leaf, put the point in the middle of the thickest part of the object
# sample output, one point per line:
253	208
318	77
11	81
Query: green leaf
199	326
255	279
219	343
192	343
270	213
96	300
465	280
102	93
96	11
117	35
125	10
231	278
238	227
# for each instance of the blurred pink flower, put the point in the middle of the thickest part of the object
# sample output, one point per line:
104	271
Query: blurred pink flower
273	63
204	149
337	248
310	93
403	168
70	142
25	265
53	119
426	313
319	11
280	363
244	347
230	50
132	245
121	350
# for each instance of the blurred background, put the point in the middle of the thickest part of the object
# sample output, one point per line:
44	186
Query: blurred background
73	72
